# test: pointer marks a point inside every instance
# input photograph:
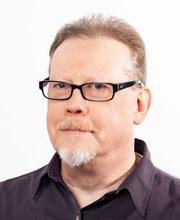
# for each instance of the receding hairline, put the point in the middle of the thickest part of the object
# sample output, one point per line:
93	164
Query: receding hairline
128	70
96	26
112	27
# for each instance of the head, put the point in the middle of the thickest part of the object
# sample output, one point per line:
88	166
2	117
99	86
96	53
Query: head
97	49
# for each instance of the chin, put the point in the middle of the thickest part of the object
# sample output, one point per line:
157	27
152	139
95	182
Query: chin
76	157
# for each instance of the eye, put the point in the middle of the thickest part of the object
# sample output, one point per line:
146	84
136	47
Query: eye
61	85
99	86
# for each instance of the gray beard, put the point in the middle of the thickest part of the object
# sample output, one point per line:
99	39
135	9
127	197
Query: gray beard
76	157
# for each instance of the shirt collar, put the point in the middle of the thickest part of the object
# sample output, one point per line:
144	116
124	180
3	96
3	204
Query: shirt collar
50	171
139	183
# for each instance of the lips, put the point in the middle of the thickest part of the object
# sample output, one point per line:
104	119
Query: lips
75	130
76	126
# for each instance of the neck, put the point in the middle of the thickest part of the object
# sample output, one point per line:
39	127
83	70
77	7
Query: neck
97	174
106	173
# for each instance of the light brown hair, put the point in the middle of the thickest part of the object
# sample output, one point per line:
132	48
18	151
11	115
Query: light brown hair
113	27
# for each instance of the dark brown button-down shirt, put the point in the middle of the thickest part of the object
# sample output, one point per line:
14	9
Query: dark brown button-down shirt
148	193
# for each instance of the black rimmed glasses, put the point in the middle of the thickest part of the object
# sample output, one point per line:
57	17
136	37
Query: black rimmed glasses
92	91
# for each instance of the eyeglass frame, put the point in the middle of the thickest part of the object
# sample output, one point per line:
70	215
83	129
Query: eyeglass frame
116	87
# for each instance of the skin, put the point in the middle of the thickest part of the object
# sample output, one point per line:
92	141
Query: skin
99	59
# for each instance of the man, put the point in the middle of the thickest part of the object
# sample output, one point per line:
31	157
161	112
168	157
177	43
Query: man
97	94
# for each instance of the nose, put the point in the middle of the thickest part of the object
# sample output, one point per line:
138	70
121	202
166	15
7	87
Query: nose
77	104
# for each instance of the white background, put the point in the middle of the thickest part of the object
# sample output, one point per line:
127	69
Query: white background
27	28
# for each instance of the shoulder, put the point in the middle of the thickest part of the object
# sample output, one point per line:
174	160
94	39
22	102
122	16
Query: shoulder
16	188
23	179
168	182
165	194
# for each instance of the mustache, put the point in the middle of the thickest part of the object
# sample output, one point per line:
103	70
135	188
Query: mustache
77	125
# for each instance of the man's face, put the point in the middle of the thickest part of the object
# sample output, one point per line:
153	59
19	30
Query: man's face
82	130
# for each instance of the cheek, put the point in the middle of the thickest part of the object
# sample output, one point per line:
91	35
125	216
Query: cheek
51	114
106	122
53	118
116	116
119	126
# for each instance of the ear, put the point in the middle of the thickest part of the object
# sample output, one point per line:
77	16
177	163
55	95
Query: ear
143	103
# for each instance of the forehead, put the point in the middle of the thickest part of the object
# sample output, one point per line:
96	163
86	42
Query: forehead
85	59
